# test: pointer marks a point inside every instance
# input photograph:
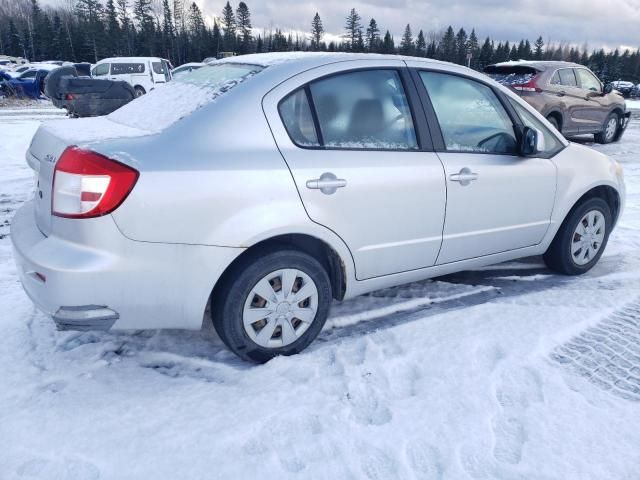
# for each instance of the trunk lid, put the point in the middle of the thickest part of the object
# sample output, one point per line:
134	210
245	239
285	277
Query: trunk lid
48	143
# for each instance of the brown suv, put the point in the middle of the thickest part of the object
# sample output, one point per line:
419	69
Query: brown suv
569	95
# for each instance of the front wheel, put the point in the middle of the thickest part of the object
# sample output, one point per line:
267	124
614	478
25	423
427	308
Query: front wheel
581	239
273	304
609	129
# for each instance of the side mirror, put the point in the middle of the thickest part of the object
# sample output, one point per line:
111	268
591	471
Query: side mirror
531	142
608	88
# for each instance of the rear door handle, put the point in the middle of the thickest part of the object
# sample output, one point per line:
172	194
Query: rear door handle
328	183
464	177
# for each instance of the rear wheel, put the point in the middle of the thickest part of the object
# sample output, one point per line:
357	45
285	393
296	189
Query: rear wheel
273	304
139	91
582	238
609	129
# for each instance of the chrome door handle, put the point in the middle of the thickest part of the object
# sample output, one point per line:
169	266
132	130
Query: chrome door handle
328	183
464	177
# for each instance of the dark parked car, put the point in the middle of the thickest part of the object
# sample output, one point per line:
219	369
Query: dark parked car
85	96
569	95
625	88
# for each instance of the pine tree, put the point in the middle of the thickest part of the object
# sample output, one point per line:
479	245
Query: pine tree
388	45
372	37
539	49
473	48
448	46
33	26
421	45
113	29
406	44
243	22
461	47
353	29
229	27
167	30
485	57
142	14
317	30
13	43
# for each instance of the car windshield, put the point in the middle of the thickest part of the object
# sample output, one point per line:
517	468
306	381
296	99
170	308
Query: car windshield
168	103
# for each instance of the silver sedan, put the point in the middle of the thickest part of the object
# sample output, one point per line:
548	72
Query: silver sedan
254	190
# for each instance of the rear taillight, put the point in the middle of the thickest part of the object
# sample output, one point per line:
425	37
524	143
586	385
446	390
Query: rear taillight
68	96
530	86
87	184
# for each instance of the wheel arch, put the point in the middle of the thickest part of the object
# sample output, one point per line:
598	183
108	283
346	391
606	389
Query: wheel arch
557	114
319	249
607	193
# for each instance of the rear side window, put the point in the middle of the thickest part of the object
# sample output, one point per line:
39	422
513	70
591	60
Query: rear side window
555	80
471	117
364	109
298	120
588	81
126	68
567	77
29	74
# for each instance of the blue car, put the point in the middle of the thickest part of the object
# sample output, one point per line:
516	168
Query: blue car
29	84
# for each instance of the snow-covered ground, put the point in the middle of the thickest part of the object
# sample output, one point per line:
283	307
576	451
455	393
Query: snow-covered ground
508	372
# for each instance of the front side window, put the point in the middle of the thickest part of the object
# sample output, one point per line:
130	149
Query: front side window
588	81
364	109
471	117
551	143
298	120
29	74
567	77
102	69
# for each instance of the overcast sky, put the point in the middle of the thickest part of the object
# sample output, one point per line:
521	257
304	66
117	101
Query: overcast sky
608	23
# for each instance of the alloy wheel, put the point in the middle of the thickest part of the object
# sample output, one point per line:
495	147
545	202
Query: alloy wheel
610	130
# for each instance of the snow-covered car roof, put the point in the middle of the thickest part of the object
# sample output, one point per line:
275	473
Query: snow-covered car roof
540	65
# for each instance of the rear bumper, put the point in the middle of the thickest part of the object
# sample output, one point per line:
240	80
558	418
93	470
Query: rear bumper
118	283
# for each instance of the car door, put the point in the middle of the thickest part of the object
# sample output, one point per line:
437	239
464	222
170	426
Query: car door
595	108
496	200
565	85
348	133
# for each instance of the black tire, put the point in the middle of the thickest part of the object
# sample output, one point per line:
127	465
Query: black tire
139	91
554	121
603	137
558	256
228	302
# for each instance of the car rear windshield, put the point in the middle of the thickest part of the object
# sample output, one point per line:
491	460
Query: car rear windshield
170	102
511	75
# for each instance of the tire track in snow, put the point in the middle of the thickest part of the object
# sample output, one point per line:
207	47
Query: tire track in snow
608	354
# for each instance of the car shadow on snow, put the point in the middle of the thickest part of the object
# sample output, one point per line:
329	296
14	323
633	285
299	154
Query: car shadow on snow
201	355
